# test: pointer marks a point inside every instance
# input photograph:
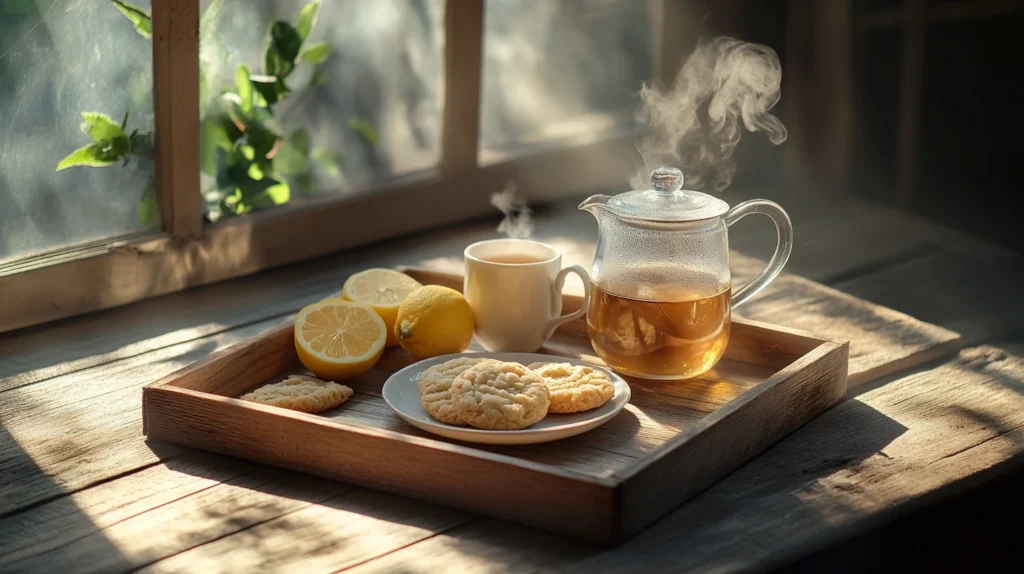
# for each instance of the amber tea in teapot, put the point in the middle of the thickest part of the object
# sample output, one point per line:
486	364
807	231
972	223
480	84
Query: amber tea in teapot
674	334
662	291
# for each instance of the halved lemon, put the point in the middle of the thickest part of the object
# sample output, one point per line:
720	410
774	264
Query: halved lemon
338	339
383	290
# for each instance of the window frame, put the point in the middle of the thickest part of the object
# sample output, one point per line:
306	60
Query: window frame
188	253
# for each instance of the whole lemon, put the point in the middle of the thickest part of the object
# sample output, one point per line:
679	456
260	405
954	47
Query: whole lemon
434	320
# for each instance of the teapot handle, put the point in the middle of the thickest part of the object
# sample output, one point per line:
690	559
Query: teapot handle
782	249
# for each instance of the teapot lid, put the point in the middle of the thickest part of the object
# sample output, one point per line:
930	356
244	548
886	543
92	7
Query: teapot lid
667	201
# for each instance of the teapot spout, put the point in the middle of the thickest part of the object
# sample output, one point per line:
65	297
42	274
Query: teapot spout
595	204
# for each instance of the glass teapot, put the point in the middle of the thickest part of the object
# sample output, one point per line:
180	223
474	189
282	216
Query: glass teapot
663	296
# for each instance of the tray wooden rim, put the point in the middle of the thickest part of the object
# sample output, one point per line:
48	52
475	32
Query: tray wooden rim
162	388
165	385
819	353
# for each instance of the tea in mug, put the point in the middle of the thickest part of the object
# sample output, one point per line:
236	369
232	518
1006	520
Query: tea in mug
513	258
673	335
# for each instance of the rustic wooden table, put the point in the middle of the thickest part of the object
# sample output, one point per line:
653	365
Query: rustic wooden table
936	371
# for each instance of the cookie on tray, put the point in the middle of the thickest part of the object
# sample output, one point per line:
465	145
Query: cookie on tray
499	396
574	388
434	384
304	394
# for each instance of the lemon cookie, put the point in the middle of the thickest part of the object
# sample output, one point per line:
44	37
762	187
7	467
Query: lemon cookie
574	388
434	384
304	394
499	396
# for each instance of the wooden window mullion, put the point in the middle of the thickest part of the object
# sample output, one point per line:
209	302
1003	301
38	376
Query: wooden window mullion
463	67
176	107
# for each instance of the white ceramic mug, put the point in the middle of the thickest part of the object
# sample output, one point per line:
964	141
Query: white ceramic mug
515	289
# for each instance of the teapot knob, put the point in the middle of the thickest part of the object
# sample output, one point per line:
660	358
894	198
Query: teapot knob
667	179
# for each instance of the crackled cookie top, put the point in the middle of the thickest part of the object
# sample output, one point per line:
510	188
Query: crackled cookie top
434	385
574	388
499	396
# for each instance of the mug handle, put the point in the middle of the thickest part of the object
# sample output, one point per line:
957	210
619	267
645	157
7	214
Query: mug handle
782	250
556	300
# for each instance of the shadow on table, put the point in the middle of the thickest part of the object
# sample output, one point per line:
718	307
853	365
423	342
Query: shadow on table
776	492
757	498
29	531
273	519
969	526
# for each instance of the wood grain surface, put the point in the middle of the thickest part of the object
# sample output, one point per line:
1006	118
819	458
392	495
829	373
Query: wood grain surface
912	436
860	463
69	432
901	441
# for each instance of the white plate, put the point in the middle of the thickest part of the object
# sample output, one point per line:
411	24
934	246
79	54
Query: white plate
403	396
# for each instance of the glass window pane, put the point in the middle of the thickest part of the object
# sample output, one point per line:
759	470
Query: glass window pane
58	60
560	72
356	101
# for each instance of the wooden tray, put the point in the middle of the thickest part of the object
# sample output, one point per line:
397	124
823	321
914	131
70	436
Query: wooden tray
672	441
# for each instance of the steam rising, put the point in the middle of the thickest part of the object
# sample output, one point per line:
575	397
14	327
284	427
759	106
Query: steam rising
518	222
695	125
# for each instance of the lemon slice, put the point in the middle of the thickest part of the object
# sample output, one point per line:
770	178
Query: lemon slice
383	290
339	339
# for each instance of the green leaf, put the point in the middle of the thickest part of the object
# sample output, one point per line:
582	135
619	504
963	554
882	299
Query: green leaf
100	127
139	17
92	155
318	79
272	89
234	197
118	147
255	171
328	160
217	132
282	49
233	176
247	151
364	129
316	53
227	161
280	193
233	105
277	193
262	140
244	86
254	191
262	115
307	20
